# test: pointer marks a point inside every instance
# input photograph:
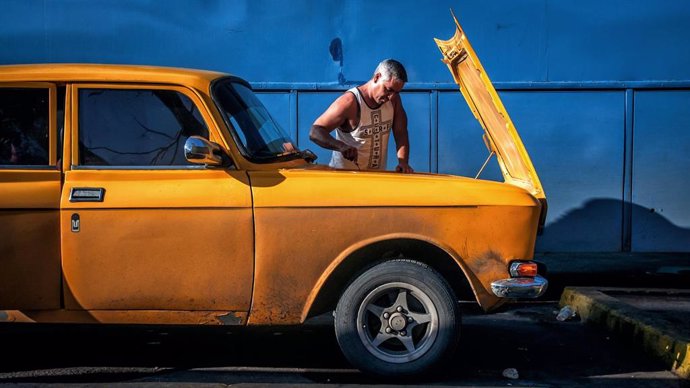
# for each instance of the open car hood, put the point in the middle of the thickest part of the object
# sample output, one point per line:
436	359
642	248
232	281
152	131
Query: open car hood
500	134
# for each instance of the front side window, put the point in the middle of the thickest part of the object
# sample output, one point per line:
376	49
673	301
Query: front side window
136	127
24	126
260	138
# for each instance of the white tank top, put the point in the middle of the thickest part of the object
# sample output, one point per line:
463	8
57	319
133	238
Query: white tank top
370	137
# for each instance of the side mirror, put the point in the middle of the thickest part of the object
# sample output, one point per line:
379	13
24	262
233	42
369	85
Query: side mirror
201	151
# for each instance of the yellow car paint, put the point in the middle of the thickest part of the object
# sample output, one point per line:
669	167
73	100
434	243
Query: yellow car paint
247	243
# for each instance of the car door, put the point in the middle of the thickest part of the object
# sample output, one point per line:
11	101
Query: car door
29	197
143	229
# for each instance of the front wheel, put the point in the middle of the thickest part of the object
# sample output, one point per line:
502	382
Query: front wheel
399	318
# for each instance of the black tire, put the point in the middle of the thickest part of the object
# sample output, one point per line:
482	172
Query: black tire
415	304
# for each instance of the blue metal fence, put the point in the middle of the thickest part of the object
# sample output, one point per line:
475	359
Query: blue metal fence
599	91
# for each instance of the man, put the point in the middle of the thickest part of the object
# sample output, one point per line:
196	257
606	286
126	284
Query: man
363	118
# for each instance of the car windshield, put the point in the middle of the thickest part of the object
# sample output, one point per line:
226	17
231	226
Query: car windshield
260	137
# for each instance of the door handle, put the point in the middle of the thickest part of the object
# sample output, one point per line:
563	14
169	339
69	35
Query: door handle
86	194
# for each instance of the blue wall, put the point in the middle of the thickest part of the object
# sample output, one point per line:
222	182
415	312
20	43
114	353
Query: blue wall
600	91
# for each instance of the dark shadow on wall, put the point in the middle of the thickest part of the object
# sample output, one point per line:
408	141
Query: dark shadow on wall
336	51
654	232
597	226
600	221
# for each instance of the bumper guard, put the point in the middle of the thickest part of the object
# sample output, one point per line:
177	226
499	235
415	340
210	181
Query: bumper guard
523	287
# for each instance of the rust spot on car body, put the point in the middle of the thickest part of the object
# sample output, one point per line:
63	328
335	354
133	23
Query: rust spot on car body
229	319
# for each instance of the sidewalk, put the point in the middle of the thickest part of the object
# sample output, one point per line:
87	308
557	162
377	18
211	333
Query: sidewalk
642	297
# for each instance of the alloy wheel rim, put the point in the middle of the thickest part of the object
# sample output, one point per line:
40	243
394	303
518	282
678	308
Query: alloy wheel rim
397	322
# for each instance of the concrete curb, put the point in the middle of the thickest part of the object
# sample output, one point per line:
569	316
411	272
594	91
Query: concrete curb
656	335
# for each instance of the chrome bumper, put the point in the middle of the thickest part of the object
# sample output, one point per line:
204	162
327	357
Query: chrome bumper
520	287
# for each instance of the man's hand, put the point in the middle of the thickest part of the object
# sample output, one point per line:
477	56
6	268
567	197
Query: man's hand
349	153
404	168
321	136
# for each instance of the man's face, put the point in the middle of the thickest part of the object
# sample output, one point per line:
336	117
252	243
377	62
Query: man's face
384	90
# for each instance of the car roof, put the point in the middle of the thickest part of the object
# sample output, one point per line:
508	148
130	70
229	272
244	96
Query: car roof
90	72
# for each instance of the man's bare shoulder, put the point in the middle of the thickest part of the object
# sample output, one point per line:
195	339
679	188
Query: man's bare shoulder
340	113
347	103
347	98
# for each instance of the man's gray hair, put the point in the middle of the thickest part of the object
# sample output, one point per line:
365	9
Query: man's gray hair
391	68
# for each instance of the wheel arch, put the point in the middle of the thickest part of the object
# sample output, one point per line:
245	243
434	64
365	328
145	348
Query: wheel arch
353	261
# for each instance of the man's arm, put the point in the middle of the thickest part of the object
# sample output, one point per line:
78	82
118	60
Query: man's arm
402	142
335	116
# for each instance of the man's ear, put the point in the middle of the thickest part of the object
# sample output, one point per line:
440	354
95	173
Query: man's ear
377	76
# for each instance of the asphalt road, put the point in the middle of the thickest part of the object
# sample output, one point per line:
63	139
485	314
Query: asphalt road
526	337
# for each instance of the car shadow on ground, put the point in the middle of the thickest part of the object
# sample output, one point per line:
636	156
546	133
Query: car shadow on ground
523	336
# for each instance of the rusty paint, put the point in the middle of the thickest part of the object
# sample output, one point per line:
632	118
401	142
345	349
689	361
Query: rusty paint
155	267
230	319
290	267
127	316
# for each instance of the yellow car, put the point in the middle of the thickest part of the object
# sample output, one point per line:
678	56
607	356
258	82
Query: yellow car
151	195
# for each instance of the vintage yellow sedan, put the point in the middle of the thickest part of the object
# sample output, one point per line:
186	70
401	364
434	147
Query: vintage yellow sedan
151	195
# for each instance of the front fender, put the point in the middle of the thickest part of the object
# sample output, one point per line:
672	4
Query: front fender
360	249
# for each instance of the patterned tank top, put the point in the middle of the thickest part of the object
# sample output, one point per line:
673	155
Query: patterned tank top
370	137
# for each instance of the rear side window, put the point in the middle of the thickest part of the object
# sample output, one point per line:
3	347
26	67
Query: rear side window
24	123
136	127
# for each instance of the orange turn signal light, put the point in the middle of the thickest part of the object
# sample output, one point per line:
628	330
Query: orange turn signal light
523	269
